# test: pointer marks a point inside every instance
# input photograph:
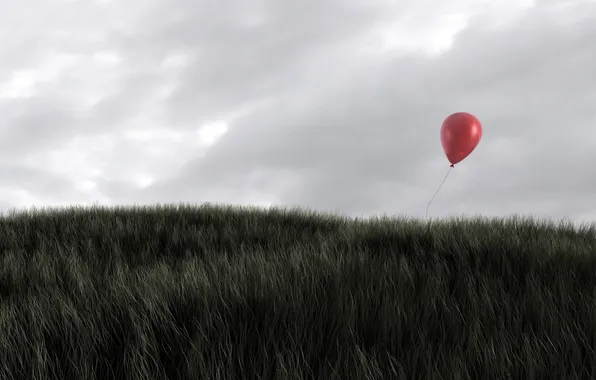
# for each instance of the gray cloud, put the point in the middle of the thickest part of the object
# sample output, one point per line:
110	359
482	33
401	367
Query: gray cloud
340	124
370	138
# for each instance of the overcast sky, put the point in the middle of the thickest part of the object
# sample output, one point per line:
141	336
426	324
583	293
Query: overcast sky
334	105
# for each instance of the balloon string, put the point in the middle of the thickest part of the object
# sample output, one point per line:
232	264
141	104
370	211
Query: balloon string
437	192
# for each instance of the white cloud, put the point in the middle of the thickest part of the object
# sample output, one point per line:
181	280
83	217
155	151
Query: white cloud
176	61
20	85
86	185
143	180
210	132
109	58
334	104
407	36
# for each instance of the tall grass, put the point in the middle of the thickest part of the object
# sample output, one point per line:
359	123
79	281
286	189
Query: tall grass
213	292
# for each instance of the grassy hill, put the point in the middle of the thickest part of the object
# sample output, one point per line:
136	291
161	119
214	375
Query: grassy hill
181	292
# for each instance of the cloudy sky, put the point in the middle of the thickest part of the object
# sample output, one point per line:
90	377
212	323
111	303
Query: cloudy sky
328	104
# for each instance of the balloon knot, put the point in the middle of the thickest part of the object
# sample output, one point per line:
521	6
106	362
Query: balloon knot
451	165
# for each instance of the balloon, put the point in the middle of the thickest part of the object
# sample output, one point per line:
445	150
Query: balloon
460	134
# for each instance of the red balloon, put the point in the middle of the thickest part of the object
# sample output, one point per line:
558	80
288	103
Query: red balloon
460	134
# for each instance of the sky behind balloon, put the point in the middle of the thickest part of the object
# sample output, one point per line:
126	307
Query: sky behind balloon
334	105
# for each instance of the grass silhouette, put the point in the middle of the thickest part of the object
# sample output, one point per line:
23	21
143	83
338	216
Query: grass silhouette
214	292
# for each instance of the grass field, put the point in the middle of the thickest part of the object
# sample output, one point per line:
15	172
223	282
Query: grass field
181	292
